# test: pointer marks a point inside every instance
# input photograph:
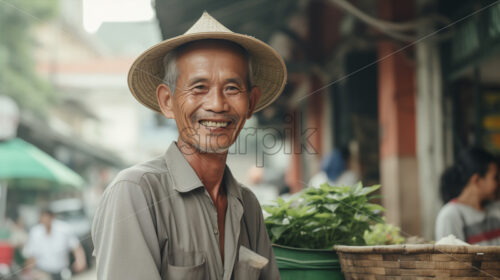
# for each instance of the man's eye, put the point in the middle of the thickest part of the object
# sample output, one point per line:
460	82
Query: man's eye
200	88
232	90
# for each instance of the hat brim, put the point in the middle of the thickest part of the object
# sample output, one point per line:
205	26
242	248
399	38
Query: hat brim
269	70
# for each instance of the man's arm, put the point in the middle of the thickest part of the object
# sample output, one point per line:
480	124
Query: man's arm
80	263
29	265
270	271
124	235
28	253
263	244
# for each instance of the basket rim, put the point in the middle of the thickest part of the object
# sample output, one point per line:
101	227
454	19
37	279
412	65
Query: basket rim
418	248
302	249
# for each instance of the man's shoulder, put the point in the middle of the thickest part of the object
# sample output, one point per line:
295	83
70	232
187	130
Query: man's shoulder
248	196
453	211
134	174
450	209
142	176
62	226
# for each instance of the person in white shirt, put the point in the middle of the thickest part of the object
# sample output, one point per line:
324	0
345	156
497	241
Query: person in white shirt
49	245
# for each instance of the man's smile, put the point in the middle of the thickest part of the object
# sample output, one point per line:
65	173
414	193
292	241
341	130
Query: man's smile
215	123
210	86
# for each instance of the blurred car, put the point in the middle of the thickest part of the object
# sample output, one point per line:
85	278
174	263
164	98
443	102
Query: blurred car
72	211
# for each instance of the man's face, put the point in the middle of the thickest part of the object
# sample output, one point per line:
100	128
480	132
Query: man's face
211	102
489	182
46	219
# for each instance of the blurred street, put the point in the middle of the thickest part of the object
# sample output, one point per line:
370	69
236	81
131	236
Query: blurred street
383	92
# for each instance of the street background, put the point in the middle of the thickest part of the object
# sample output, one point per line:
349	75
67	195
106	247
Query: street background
401	86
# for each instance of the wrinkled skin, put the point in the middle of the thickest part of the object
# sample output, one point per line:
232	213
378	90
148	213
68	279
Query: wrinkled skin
212	85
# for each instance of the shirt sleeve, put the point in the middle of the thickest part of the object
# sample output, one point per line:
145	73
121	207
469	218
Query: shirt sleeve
73	241
124	235
449	222
28	249
264	248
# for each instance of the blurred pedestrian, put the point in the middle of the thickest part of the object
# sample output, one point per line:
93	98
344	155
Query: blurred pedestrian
183	215
18	237
49	245
336	170
264	190
468	189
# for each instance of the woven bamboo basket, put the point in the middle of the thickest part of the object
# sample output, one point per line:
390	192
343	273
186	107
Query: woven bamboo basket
408	262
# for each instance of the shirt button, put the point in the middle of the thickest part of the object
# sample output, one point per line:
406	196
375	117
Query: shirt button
216	231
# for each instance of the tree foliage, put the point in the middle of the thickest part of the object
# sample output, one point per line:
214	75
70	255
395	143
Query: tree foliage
18	77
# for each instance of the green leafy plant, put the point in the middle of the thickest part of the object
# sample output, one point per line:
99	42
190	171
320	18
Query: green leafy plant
322	217
383	234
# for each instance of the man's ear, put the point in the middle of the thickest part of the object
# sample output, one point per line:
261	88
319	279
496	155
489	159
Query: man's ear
165	96
474	179
254	98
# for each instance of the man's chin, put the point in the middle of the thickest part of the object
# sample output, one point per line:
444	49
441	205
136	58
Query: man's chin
209	148
212	149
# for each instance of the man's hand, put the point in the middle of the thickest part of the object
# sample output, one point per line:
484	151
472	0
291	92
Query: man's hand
80	263
29	265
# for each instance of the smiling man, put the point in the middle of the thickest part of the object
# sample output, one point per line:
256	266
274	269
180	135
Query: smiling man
183	215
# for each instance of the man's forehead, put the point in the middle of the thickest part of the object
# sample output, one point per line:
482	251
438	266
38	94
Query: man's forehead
212	44
232	61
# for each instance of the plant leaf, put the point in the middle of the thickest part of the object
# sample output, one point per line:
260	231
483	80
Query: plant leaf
374	207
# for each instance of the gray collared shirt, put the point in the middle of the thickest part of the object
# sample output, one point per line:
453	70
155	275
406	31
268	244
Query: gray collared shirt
157	221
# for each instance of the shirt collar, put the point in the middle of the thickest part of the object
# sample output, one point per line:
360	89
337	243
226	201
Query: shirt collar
183	175
232	186
185	178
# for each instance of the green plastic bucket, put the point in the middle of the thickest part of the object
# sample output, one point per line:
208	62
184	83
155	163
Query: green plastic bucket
299	263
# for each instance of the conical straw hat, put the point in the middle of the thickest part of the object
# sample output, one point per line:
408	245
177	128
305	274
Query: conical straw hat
147	71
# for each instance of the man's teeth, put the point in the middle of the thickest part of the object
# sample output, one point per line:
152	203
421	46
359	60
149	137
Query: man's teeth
214	124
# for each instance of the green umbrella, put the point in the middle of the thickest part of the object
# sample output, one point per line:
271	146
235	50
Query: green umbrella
24	165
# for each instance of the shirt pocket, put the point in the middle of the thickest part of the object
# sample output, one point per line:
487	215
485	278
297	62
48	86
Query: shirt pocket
244	271
186	265
249	265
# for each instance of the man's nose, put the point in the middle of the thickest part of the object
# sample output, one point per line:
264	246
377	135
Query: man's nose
216	101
